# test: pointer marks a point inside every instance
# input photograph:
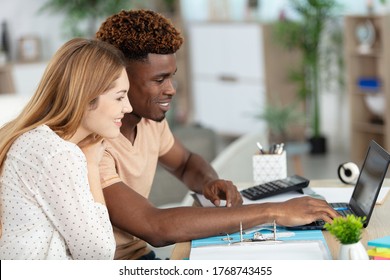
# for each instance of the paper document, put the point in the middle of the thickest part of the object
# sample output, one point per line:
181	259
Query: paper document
281	233
276	198
343	194
269	250
331	194
298	245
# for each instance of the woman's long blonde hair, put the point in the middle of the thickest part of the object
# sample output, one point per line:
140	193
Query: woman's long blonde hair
78	73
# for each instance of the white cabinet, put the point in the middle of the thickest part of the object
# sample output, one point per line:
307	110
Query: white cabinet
226	64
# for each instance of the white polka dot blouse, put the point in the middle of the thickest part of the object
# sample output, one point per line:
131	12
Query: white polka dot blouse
47	209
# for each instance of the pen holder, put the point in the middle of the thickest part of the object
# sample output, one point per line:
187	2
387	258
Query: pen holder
269	167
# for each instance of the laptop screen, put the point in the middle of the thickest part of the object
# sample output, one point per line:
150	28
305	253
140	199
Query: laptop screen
371	177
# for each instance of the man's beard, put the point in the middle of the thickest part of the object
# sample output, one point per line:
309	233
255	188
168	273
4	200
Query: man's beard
160	119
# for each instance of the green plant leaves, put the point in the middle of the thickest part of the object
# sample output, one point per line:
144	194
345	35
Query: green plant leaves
347	229
81	15
305	34
278	117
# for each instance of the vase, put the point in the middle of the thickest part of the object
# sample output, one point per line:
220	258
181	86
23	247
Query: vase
354	251
318	145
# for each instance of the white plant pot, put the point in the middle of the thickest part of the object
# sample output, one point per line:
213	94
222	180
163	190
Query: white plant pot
354	251
376	103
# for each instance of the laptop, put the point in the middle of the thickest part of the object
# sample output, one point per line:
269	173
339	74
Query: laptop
366	191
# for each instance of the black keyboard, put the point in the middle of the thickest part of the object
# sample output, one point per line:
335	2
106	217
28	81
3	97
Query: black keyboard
291	183
316	225
319	224
342	208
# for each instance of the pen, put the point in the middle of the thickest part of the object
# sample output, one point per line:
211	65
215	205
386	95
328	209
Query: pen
273	148
280	149
260	147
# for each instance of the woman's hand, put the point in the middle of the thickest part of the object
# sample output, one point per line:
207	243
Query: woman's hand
93	149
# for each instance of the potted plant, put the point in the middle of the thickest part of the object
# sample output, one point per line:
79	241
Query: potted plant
348	231
305	35
82	16
279	118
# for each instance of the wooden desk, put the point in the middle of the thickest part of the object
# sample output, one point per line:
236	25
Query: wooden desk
379	225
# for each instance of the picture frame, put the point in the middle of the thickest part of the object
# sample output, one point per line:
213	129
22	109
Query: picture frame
29	48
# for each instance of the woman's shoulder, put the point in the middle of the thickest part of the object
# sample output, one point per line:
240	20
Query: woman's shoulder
42	141
41	135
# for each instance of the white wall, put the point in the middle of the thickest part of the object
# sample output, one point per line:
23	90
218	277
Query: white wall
334	105
23	19
267	11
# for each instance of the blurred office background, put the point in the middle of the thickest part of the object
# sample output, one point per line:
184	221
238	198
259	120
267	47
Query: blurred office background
227	49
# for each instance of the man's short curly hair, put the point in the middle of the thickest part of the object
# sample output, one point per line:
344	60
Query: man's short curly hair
140	32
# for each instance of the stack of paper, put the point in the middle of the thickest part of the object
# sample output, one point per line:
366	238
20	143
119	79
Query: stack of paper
330	194
266	250
381	250
290	245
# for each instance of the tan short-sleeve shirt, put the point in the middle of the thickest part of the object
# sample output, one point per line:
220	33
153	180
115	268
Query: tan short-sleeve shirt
135	165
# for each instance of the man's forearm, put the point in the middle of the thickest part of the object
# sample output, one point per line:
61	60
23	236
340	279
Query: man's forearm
197	173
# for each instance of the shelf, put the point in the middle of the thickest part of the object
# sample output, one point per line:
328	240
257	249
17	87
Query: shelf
362	94
369	127
376	63
375	54
365	16
6	80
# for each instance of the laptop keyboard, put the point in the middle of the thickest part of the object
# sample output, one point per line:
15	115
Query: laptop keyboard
345	212
319	224
344	209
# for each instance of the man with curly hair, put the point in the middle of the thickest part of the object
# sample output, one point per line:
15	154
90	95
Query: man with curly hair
149	42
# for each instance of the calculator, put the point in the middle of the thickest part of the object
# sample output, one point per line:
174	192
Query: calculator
290	183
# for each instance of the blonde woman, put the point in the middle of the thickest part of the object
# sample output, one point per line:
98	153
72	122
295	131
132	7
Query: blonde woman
52	206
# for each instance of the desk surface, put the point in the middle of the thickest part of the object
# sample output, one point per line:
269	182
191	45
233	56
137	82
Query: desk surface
379	225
